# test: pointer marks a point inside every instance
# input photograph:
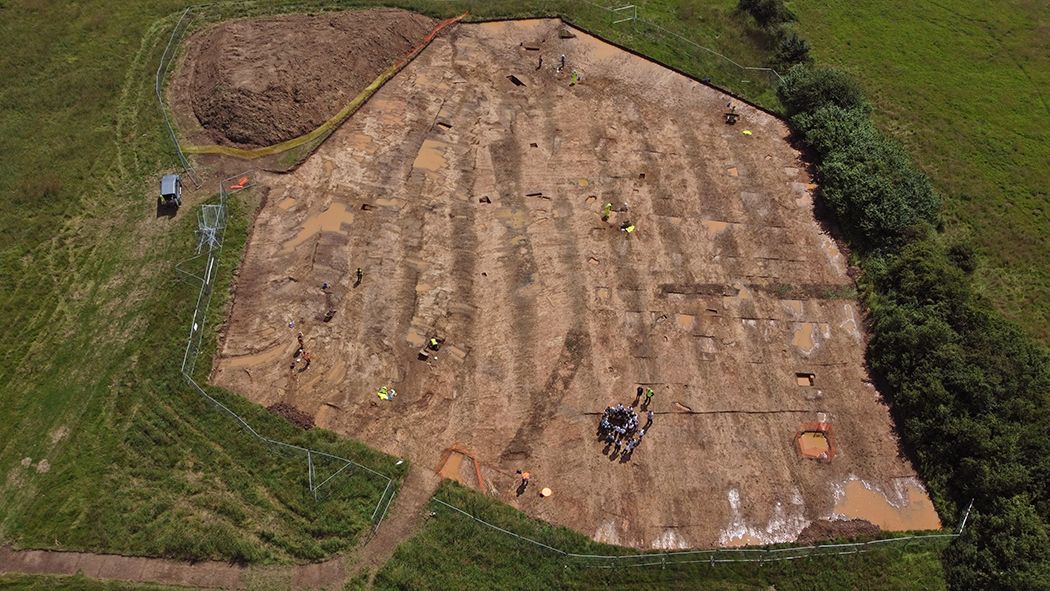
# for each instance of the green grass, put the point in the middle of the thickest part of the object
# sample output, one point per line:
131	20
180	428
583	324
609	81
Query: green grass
75	583
454	552
965	86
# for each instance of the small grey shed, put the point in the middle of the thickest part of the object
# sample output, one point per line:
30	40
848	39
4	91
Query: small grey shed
171	189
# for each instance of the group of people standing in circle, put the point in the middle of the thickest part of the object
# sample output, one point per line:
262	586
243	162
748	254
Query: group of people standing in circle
618	426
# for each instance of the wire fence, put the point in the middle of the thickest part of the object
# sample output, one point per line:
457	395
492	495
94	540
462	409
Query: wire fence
671	45
714	555
616	14
162	69
212	223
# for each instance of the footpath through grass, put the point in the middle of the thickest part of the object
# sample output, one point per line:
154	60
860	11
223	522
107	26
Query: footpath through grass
454	552
78	583
966	87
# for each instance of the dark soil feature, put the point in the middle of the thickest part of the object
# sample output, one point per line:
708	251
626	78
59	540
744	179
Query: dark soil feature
292	415
258	82
825	529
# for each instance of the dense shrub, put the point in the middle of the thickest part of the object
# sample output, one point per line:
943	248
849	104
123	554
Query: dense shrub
791	50
1007	547
971	395
875	190
866	178
831	127
768	13
805	89
964	256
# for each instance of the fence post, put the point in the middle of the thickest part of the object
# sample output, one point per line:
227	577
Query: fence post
962	526
310	472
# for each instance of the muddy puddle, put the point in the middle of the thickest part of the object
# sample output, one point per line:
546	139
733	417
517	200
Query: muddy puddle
912	510
330	220
813	444
286	203
460	468
803	337
452	466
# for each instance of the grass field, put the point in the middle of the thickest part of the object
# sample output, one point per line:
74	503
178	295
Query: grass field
965	88
454	552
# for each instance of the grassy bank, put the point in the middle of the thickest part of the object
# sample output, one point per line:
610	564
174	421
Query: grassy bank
964	86
455	552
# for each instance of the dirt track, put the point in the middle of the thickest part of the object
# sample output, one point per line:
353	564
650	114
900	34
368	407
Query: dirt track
472	205
258	82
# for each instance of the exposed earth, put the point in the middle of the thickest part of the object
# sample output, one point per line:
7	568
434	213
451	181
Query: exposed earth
258	82
469	190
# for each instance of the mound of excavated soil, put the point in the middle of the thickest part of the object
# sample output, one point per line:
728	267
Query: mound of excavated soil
292	414
257	82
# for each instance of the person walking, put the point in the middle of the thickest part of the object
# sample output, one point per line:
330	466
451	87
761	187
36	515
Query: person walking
648	397
525	476
360	275
606	211
649	419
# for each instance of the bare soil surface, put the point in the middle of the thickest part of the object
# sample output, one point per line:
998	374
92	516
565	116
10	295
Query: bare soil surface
471	203
212	575
405	518
824	529
198	575
258	82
